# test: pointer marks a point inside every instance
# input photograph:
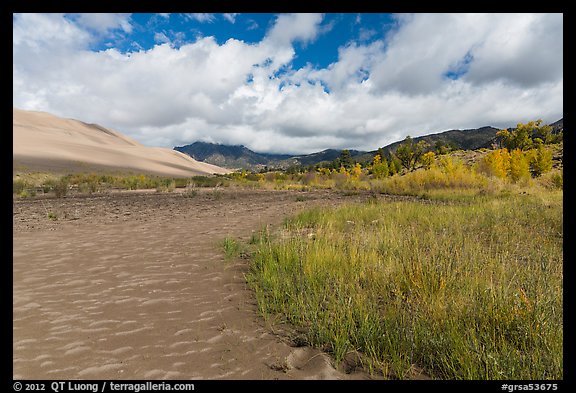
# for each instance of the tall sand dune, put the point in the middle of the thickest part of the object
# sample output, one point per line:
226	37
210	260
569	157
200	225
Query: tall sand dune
44	142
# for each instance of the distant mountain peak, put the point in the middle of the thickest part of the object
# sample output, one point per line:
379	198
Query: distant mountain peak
239	156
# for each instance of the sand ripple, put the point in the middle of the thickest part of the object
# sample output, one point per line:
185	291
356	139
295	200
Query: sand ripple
149	296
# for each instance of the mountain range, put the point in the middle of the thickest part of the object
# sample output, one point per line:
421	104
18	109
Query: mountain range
240	157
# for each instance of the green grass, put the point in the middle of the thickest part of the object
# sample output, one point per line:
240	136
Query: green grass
231	248
24	185
212	181
166	185
462	290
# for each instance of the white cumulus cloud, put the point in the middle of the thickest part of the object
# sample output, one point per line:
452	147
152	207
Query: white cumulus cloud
432	73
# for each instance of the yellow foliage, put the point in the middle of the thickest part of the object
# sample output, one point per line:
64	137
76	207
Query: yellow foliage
496	163
519	166
356	171
427	159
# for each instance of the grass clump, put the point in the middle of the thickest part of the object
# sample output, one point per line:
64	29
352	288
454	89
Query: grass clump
463	290
166	185
209	181
231	248
60	187
25	185
190	192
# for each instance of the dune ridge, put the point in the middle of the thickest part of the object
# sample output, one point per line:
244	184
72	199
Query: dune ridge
45	142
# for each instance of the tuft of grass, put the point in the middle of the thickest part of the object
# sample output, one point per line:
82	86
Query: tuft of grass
165	185
462	290
231	248
190	193
261	236
52	216
217	194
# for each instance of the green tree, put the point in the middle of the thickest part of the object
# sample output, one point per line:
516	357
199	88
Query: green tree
522	136
409	152
442	147
345	159
542	132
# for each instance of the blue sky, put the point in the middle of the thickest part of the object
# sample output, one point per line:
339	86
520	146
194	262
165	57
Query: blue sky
336	30
293	83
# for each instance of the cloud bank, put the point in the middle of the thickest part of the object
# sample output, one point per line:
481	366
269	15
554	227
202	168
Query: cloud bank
431	73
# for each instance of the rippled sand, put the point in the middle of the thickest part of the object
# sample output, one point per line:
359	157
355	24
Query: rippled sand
135	286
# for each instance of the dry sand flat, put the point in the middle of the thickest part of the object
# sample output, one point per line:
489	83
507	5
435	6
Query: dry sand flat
135	286
44	142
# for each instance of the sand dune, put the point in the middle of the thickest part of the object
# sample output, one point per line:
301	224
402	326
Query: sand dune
45	142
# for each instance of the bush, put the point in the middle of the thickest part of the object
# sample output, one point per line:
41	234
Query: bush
88	187
496	163
519	167
380	168
540	161
61	187
19	185
190	192
205	181
427	159
553	180
166	185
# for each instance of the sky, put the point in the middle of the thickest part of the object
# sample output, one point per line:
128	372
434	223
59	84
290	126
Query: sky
289	83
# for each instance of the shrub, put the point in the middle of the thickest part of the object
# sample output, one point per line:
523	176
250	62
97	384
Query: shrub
19	185
427	159
540	161
61	186
380	167
519	167
166	185
190	192
309	179
496	163
88	187
206	181
356	171
552	180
